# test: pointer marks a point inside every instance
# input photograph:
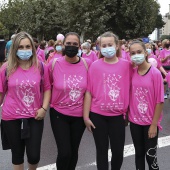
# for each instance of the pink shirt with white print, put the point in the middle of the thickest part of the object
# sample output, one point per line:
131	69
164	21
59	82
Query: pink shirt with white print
91	56
164	53
69	86
109	85
146	92
23	96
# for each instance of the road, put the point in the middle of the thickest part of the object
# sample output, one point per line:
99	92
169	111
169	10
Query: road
87	149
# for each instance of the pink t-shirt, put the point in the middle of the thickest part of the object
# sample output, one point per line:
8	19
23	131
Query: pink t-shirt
91	56
109	85
163	54
41	55
126	55
69	86
158	60
23	97
54	55
146	92
167	78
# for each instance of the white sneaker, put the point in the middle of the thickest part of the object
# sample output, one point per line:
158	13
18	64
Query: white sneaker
165	96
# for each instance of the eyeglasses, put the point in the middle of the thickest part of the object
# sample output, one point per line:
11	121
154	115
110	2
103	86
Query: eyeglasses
72	44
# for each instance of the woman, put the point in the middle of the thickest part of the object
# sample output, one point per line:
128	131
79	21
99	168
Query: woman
108	102
146	104
87	53
69	80
22	110
165	59
150	55
57	51
41	51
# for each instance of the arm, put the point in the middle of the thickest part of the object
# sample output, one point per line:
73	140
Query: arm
163	71
165	59
86	110
153	127
1	98
42	111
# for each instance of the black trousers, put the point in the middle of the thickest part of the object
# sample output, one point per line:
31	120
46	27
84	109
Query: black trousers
108	128
68	131
32	145
144	147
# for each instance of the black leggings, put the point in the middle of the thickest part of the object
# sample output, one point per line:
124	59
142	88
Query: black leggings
68	131
108	128
144	147
12	129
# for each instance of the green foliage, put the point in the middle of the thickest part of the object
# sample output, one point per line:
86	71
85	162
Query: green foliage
165	37
47	18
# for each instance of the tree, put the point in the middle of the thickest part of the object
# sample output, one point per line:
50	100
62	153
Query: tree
133	18
44	19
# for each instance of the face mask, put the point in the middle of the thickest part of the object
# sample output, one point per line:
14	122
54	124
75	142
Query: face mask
84	51
138	59
24	54
71	51
94	48
149	51
108	52
167	45
58	48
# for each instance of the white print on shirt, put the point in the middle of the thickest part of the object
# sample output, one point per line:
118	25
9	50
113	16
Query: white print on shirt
25	92
152	153
141	94
73	82
112	84
112	90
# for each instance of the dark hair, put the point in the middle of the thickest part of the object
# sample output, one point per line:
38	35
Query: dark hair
42	45
110	34
35	39
71	33
141	44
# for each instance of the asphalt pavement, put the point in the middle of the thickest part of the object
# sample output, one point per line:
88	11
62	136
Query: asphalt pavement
87	160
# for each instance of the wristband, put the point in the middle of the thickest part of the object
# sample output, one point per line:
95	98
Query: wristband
43	108
86	118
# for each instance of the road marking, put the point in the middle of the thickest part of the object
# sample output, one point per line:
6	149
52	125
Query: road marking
128	151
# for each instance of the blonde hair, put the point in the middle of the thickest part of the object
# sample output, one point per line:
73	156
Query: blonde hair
13	60
116	39
58	42
164	42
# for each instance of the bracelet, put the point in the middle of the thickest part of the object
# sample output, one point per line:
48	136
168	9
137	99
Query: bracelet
86	118
43	108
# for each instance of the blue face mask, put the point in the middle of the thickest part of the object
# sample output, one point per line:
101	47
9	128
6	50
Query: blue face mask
24	54
149	50
138	58
108	52
58	48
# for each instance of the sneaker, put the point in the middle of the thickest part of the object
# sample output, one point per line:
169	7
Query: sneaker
165	96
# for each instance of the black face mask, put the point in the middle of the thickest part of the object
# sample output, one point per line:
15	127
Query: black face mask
167	45
71	51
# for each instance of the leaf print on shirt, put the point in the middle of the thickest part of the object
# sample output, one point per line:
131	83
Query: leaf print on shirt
73	83
25	92
141	94
112	83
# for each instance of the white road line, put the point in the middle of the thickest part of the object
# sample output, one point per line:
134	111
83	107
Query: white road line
128	151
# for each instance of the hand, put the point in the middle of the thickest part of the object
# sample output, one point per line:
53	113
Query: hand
40	114
89	124
152	131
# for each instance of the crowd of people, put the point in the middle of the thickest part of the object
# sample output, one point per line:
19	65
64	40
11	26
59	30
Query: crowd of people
101	86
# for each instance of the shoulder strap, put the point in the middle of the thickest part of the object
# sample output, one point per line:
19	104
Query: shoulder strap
53	63
85	63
